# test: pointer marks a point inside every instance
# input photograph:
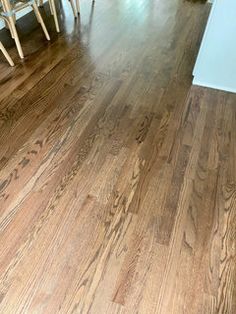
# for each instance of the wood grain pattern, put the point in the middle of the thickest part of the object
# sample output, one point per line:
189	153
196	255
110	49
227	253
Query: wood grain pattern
117	177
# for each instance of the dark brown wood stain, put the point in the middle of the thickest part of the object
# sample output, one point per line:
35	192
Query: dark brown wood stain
117	177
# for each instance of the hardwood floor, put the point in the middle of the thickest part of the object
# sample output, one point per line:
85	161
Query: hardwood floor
117	177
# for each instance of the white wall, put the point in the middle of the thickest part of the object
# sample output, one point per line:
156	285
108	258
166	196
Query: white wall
216	63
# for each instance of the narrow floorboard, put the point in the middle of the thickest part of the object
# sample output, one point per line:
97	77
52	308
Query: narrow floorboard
117	177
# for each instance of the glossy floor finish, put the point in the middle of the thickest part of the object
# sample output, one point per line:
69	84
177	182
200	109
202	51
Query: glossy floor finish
118	179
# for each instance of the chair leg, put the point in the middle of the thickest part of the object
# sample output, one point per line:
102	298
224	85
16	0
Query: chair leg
9	59
50	7
78	6
73	7
15	36
39	18
12	27
54	13
8	26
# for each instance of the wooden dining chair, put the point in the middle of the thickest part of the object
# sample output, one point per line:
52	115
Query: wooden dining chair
5	53
75	8
8	9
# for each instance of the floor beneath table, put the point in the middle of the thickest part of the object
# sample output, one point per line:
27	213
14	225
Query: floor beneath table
117	178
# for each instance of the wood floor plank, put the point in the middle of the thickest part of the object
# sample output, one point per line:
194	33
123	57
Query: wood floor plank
117	177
